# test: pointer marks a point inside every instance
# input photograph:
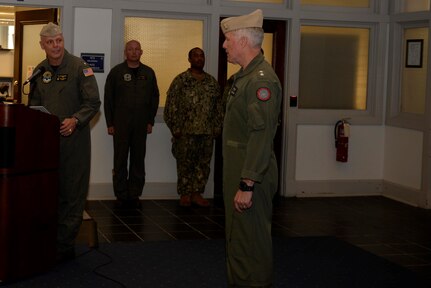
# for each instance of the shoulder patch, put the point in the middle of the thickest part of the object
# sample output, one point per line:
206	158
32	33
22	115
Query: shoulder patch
263	94
88	72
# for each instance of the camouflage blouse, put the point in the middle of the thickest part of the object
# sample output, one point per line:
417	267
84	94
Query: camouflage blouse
194	107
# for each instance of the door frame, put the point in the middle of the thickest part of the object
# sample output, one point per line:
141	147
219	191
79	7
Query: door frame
22	18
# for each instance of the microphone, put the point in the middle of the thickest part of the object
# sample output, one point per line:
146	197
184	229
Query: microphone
34	75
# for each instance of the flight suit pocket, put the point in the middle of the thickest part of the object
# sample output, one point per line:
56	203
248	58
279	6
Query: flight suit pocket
256	120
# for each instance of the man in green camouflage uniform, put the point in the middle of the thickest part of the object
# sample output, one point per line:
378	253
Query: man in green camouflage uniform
250	174
68	89
193	113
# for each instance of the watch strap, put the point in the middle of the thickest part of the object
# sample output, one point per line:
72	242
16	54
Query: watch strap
244	187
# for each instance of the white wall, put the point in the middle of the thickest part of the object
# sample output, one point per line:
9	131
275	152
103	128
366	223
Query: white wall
92	34
376	153
371	157
403	157
315	158
383	160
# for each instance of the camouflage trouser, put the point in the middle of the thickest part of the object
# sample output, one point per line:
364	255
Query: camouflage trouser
193	154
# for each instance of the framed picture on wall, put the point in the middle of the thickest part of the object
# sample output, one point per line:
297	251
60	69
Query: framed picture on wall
6	87
414	51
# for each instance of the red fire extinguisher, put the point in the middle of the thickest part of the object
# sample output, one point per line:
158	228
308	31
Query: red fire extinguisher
341	133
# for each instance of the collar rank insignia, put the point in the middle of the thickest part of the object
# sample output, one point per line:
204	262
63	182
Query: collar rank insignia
233	91
263	94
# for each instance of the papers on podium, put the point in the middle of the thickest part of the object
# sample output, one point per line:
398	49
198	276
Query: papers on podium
40	108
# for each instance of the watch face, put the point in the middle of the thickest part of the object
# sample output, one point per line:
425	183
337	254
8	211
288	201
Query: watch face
244	187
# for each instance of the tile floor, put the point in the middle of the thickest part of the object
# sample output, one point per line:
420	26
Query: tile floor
393	230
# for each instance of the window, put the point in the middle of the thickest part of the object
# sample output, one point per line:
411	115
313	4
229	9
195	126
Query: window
333	67
166	43
261	1
339	3
414	6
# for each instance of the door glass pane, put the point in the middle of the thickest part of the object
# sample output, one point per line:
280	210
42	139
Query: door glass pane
166	44
340	3
32	55
7	33
414	6
267	52
333	68
414	72
261	1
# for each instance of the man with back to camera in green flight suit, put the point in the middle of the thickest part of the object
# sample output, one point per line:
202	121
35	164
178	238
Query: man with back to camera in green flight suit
250	173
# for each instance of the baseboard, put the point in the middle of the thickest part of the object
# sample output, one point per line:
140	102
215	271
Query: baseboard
314	188
407	195
152	190
343	188
104	191
334	188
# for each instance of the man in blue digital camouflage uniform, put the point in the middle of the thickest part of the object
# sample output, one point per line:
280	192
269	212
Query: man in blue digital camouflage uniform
250	174
68	89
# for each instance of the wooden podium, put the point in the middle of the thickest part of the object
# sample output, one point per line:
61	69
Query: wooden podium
29	161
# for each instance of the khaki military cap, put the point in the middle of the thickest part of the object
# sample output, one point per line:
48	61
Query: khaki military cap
252	20
50	30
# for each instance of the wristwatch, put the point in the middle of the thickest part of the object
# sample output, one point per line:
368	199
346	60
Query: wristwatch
244	187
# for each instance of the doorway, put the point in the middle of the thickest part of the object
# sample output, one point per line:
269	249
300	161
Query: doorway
19	40
27	50
277	31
